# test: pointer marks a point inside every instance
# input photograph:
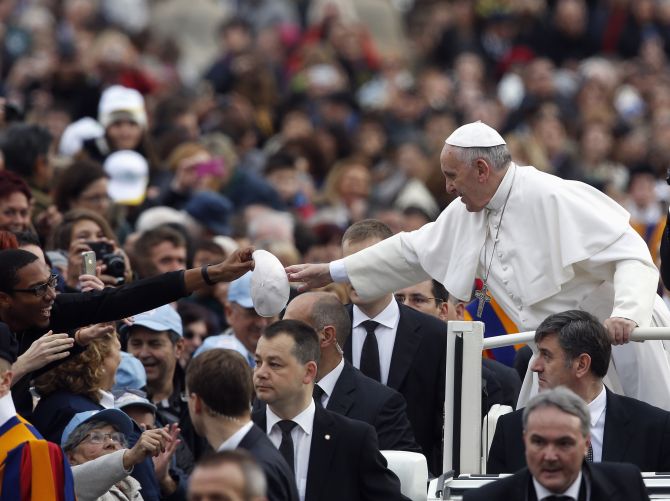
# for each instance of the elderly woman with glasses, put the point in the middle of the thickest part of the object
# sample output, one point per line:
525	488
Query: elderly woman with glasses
96	447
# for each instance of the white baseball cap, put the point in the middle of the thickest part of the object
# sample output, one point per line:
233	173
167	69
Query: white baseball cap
118	101
76	133
128	177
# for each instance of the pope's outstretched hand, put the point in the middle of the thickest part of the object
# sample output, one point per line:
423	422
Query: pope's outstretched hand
311	276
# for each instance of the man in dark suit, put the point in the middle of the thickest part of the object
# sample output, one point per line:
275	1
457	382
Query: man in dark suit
341	387
574	351
556	427
333	457
502	383
219	389
406	351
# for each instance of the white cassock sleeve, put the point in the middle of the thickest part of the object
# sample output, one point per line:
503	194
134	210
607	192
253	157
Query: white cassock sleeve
634	291
627	265
384	267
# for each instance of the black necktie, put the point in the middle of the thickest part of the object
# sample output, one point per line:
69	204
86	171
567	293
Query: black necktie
286	445
318	394
558	498
370	352
589	454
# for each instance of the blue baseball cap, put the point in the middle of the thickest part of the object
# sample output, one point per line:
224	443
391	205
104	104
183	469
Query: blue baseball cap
163	318
115	417
130	373
239	291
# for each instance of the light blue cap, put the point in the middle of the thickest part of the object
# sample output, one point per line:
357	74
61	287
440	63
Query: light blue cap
130	373
130	399
239	291
163	318
115	417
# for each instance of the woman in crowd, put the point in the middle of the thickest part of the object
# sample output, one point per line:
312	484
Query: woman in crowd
84	185
82	383
96	445
83	230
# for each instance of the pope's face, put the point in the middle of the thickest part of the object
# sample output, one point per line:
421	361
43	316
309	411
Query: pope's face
555	447
463	180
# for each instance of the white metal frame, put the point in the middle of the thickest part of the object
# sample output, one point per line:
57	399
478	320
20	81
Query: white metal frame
471	335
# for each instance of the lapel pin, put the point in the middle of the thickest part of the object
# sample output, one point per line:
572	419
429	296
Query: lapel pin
327	437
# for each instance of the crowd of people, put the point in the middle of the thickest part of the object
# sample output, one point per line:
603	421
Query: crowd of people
168	139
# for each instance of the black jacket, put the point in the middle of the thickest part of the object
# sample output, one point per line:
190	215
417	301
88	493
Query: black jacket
280	479
344	461
356	396
609	482
417	373
635	432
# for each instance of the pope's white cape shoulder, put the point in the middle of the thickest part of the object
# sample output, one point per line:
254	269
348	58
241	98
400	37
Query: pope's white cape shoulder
552	224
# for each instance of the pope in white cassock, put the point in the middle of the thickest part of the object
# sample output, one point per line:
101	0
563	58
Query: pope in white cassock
540	244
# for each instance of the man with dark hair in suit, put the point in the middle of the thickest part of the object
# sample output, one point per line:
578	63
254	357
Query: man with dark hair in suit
219	389
556	427
406	350
340	386
333	457
574	351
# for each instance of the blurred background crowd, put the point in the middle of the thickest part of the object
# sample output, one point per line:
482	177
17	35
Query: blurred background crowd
164	134
283	121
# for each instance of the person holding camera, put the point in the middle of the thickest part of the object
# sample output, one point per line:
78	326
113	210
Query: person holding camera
85	184
81	231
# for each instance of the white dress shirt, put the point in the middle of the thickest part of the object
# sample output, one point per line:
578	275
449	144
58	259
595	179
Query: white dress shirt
302	441
327	383
385	333
7	409
572	491
597	408
234	440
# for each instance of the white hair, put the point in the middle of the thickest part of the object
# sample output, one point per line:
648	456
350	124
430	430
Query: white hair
498	156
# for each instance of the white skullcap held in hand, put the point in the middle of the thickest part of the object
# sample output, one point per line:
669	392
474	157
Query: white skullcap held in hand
269	284
475	135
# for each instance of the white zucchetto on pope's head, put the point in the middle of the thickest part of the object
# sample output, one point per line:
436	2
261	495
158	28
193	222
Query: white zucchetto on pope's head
475	135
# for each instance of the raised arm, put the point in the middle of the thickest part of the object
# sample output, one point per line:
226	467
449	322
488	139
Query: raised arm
71	311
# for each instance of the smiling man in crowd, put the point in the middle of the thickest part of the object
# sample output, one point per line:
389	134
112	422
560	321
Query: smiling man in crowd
30	306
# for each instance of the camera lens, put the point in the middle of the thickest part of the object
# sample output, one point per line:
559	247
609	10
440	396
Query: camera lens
116	265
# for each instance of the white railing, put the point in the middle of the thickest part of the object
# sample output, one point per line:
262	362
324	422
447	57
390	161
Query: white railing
465	342
639	334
